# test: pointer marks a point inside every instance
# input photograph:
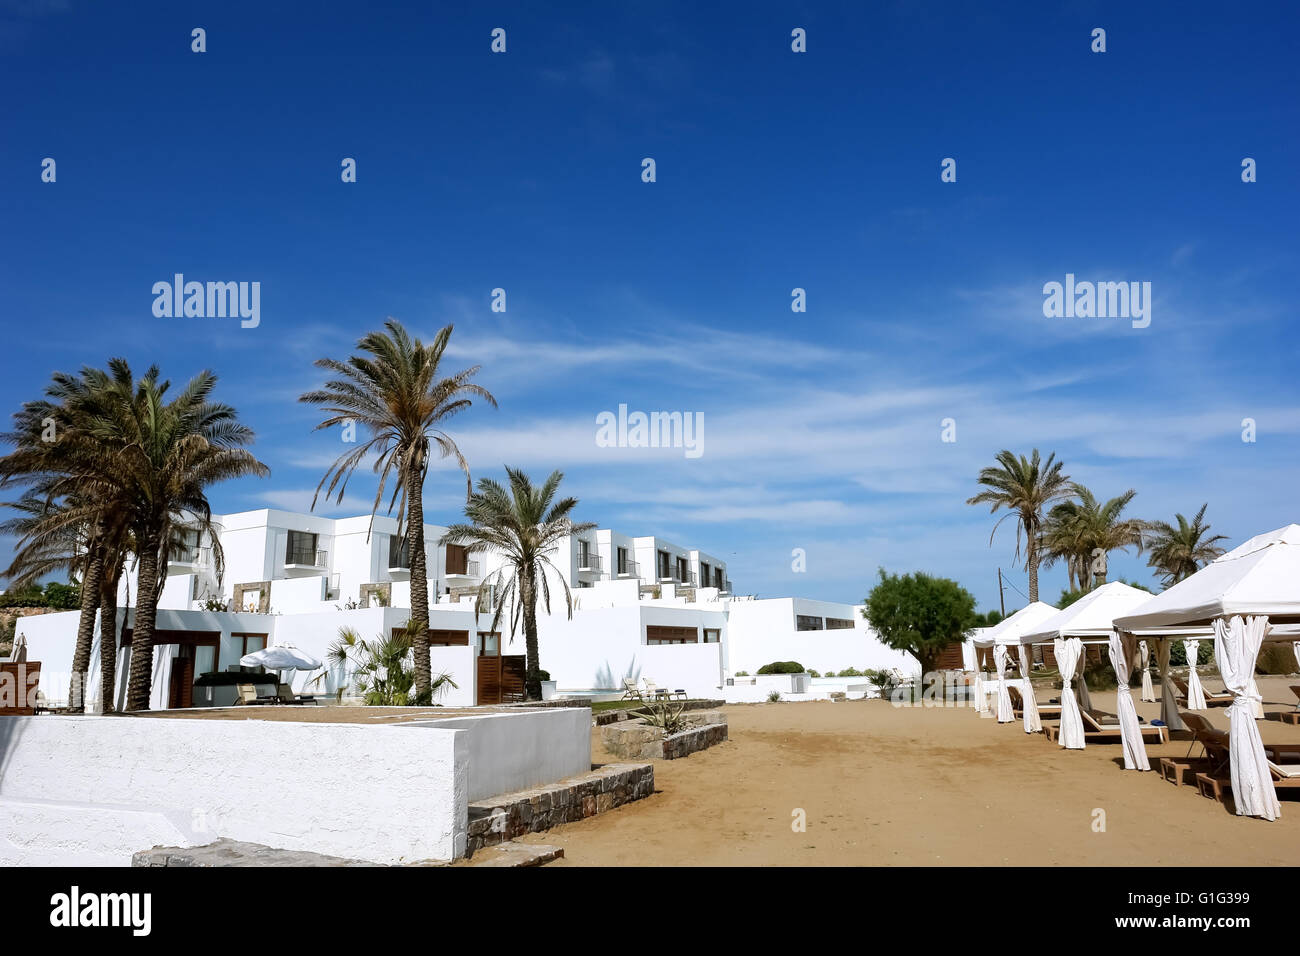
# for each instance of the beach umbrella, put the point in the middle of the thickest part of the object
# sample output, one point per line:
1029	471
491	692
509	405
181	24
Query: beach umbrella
281	657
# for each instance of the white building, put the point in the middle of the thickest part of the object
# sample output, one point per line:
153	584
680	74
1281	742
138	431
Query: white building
644	608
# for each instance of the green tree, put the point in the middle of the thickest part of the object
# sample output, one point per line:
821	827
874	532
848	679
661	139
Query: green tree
523	526
1177	553
1024	486
1076	530
396	391
919	614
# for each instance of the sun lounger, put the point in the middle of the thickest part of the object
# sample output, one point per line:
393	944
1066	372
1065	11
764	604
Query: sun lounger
630	690
1100	727
1214	745
1293	716
1211	700
285	695
247	694
654	692
1285	777
1045	711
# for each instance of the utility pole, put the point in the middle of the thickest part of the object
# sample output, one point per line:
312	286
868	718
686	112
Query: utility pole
1002	601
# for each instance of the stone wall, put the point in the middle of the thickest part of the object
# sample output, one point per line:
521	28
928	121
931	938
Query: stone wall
633	739
531	811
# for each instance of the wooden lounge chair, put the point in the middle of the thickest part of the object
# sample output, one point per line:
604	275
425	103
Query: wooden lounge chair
1286	776
247	694
1292	716
630	690
1214	746
1211	700
285	695
1045	711
1100	727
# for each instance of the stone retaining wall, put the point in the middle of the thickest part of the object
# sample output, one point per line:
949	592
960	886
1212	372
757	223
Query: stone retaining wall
633	738
531	811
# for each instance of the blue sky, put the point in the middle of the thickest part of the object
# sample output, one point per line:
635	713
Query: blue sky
775	170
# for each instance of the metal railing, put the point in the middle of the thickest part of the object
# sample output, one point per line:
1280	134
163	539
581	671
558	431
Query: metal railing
188	555
591	561
308	557
629	570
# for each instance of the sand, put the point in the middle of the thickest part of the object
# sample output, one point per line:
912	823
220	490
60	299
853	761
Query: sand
940	786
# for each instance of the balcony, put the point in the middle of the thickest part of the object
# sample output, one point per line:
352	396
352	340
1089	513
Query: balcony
463	574
590	564
629	570
399	560
679	576
303	562
188	560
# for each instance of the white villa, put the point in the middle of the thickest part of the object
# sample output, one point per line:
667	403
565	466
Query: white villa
645	608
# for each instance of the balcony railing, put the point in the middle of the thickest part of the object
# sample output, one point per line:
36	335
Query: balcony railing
686	578
471	570
629	570
306	558
591	561
188	555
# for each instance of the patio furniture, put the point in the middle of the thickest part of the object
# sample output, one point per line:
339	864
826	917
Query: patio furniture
247	694
1214	744
285	695
630	690
1292	717
1211	700
654	692
1045	711
1100	727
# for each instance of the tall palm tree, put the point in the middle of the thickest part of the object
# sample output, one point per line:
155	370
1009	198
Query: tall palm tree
521	526
1024	486
396	391
1177	553
1077	530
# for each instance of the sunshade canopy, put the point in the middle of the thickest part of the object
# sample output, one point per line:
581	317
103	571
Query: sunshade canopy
1091	616
1261	576
1008	630
281	657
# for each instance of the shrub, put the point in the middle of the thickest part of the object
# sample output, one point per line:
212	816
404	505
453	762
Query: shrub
665	716
883	679
1178	653
741	674
851	672
543	675
782	667
1276	659
813	673
773	697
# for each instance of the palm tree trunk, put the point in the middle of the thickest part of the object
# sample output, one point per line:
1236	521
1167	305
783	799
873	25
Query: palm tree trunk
86	629
146	611
1031	562
419	583
108	643
528	594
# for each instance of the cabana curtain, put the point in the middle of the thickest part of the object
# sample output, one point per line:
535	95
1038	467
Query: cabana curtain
1236	648
1067	657
1006	713
981	698
1032	723
1144	661
1195	696
1123	649
1168	694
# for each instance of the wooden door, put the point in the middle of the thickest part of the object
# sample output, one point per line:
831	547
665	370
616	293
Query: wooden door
500	679
181	689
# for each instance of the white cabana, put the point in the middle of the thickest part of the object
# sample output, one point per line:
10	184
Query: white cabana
1238	595
1002	637
1088	620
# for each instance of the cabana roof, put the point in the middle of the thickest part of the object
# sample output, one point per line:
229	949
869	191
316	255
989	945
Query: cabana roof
1008	630
1089	617
1261	576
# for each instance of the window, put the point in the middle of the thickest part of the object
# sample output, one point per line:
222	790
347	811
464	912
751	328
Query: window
717	578
622	560
663	565
838	624
712	635
705	577
683	570
805	622
187	548
399	552
301	548
671	635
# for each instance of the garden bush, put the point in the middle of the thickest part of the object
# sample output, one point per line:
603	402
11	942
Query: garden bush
782	667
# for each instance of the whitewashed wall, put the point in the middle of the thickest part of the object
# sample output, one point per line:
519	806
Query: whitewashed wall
341	789
760	632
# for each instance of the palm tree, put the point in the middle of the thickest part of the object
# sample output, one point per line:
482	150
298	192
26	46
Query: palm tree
380	668
523	526
397	392
1177	553
1076	530
1024	486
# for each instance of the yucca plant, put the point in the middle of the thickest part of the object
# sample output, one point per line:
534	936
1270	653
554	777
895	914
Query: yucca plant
661	714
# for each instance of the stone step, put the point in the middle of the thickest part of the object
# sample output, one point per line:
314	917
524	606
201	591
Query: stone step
516	854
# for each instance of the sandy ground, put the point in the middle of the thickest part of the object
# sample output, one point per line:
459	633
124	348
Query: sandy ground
938	786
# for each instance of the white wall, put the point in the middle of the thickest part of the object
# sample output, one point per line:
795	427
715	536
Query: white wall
341	789
527	749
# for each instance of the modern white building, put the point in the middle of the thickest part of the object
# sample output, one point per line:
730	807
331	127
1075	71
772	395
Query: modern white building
644	608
